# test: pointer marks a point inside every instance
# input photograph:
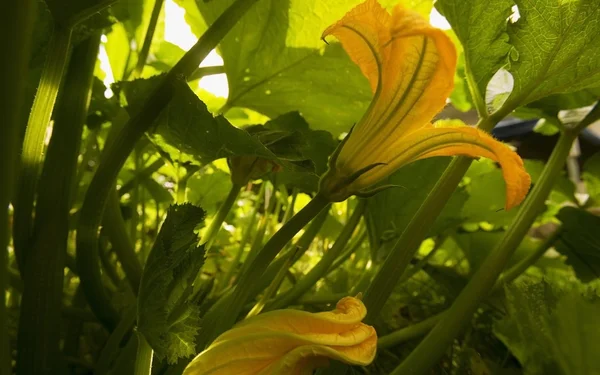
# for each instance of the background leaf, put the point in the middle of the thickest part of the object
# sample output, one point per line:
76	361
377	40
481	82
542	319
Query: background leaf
579	241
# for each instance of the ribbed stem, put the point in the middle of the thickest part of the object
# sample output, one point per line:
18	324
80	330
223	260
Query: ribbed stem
143	360
16	28
433	347
40	319
115	155
35	133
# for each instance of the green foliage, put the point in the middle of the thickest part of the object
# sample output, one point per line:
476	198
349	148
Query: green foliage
579	242
304	74
550	327
546	38
168	311
482	32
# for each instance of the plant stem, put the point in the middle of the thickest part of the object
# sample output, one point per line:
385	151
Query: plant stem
246	236
40	318
321	268
206	71
339	261
113	345
33	143
141	175
215	224
16	28
143	56
143	360
116	154
220	321
121	243
421	328
433	346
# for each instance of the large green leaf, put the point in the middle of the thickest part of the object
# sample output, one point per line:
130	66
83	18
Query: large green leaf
168	312
556	48
481	28
552	329
276	62
580	242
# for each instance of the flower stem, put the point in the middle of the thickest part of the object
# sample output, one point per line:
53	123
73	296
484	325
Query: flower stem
433	346
16	29
116	154
33	143
324	264
220	321
143	360
215	224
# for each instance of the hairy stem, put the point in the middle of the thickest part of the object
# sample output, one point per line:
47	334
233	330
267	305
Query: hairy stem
40	319
33	143
143	359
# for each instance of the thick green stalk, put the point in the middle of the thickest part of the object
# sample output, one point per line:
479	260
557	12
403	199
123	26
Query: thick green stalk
206	71
116	154
113	345
321	268
339	261
434	345
215	224
218	322
116	230
40	319
16	28
33	143
143	360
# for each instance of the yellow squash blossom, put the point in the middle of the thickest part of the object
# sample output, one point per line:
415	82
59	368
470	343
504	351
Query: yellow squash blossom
290	342
410	67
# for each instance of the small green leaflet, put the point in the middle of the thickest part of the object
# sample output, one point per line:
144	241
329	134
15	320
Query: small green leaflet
168	307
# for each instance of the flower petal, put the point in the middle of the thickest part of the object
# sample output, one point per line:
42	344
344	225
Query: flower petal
290	342
447	139
410	66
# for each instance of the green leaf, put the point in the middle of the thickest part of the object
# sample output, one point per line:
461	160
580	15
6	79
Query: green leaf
552	328
389	211
556	48
208	190
579	241
312	145
187	127
303	72
481	29
168	314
